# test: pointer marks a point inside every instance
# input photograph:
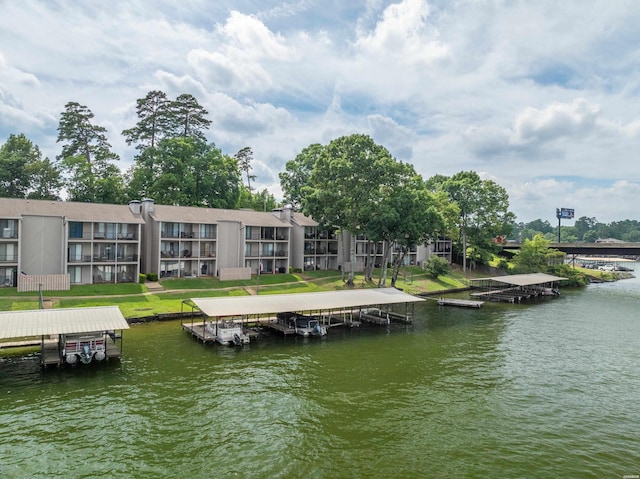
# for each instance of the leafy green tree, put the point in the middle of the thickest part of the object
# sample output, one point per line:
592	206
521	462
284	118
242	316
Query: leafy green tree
347	175
24	173
535	256
297	174
189	172
187	118
153	121
540	226
46	180
483	211
86	156
259	201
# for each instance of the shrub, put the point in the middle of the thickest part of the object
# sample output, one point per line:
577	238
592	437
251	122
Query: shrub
152	276
142	278
436	266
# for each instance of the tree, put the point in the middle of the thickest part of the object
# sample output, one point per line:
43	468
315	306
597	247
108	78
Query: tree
347	175
297	174
535	256
24	173
153	124
483	213
260	201
187	118
86	155
188	172
244	158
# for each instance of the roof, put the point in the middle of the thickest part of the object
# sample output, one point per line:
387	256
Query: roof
523	279
280	303
302	220
72	211
193	214
42	322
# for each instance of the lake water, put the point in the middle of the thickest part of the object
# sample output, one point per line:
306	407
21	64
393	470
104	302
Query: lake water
546	389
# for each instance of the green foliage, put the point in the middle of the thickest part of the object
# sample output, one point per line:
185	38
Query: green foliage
436	266
574	277
153	124
152	276
483	212
85	158
24	173
187	172
142	278
535	256
503	264
244	157
297	175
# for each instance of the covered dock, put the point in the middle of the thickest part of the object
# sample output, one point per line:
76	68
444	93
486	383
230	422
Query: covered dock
50	326
333	308
516	288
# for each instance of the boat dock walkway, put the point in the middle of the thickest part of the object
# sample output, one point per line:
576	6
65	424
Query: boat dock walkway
463	303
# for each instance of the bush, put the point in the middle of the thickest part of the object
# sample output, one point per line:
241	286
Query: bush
152	276
436	266
142	278
574	277
503	264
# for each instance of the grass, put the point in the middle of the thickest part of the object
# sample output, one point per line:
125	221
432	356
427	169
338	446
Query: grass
135	300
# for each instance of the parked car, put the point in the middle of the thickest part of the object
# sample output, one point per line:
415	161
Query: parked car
606	267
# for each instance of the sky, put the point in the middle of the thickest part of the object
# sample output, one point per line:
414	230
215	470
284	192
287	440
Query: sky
540	96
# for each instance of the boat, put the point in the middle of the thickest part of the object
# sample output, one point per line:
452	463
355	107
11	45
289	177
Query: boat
228	332
302	324
84	347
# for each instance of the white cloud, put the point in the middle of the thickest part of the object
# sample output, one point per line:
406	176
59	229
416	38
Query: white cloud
404	35
557	120
543	96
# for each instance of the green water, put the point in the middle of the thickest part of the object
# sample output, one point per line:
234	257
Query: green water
550	389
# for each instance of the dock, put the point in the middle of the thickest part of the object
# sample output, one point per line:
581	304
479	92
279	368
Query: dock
462	303
48	328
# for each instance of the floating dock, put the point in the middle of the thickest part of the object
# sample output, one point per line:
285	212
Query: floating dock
462	303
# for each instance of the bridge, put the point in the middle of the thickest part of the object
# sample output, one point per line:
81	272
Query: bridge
593	249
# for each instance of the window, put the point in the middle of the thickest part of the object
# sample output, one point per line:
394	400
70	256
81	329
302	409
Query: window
75	229
75	274
7	252
75	252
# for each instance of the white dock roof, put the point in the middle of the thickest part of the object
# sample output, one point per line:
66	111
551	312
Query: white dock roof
280	303
523	279
42	322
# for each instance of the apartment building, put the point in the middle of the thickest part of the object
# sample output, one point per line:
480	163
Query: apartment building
98	243
92	243
183	242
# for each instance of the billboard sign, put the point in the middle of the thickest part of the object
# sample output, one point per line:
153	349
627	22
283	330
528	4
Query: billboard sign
564	213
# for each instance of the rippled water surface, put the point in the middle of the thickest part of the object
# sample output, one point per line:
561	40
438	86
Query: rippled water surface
547	389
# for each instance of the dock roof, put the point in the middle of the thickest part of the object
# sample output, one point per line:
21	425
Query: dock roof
280	303
43	322
523	279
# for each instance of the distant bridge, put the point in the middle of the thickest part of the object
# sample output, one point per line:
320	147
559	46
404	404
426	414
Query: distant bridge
593	249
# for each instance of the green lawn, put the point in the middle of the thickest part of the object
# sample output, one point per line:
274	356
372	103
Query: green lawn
136	301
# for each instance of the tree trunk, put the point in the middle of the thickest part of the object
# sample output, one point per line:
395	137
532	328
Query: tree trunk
396	266
352	259
464	250
383	271
370	263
